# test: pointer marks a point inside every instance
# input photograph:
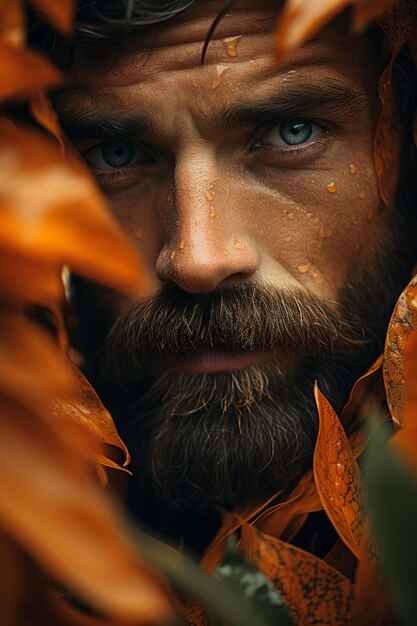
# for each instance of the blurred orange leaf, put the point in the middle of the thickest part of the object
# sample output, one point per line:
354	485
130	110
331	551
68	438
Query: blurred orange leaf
302	19
43	112
22	345
52	215
22	72
61	12
12	29
72	530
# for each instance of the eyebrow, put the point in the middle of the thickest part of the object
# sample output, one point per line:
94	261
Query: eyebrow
290	103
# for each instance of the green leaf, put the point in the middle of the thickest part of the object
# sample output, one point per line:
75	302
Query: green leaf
392	499
224	602
240	575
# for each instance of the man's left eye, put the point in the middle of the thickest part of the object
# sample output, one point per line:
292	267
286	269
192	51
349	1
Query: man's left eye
292	133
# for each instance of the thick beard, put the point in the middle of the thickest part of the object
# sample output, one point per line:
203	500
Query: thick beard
233	439
225	439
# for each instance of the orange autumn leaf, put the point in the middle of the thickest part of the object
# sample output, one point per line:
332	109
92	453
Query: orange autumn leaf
302	19
338	478
12	29
314	592
52	215
402	325
73	531
43	113
85	407
31	280
405	440
61	13
22	72
22	345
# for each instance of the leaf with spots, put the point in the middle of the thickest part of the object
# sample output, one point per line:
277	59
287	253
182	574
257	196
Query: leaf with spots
338	478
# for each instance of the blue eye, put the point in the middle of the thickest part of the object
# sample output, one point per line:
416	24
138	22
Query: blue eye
292	133
116	155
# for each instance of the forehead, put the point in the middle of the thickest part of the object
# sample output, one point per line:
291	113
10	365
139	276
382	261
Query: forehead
243	35
163	62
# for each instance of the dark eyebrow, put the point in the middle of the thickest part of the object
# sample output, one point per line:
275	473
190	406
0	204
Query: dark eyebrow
290	103
95	124
294	102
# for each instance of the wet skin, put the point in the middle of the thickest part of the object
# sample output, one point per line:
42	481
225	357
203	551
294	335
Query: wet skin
237	170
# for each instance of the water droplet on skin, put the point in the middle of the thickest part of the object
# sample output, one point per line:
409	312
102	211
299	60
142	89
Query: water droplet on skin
368	172
331	187
290	216
239	245
217	80
230	44
225	252
309	215
361	195
325	232
353	169
164	253
371	214
139	233
173	253
254	63
303	269
182	245
339	445
340	468
213	213
210	196
287	239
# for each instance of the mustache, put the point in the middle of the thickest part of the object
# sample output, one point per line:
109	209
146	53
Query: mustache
250	317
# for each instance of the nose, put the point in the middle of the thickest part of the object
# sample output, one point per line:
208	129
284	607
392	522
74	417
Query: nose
208	245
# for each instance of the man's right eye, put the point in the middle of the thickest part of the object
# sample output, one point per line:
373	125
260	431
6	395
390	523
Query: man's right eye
116	155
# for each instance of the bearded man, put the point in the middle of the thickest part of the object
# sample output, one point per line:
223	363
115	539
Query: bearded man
252	192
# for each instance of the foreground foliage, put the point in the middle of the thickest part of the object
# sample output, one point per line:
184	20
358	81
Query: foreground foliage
62	535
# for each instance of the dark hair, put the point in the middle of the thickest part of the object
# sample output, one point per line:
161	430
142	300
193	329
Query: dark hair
109	21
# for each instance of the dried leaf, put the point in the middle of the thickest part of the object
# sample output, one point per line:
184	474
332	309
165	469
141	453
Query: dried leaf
51	213
402	325
85	407
338	478
60	13
314	592
23	72
73	530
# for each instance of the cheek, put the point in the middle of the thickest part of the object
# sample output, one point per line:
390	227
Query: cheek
145	212
321	223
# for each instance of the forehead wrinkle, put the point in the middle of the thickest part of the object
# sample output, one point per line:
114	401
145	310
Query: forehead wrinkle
176	39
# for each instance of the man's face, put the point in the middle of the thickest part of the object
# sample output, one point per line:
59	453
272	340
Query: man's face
250	192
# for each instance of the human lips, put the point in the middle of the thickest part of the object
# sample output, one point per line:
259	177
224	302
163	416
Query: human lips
210	361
